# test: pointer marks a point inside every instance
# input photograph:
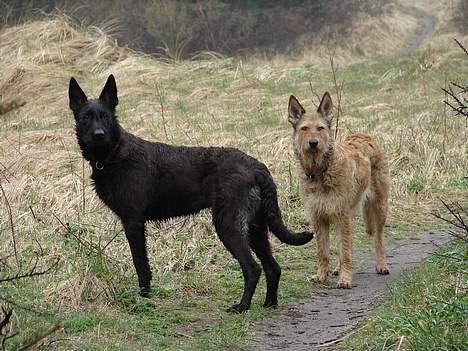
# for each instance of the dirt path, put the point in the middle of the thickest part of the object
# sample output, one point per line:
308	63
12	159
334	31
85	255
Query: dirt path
331	313
426	25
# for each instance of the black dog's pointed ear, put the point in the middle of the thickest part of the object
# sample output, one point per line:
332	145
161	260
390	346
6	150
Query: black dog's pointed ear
326	106
295	110
109	93
76	95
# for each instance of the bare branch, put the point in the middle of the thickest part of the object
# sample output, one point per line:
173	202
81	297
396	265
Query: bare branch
32	272
458	215
161	104
459	103
314	93
10	217
6	318
461	46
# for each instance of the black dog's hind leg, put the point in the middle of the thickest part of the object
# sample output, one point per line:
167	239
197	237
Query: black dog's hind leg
236	242
135	233
261	246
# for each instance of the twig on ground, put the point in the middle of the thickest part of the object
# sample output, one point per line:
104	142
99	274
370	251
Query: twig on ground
339	340
42	336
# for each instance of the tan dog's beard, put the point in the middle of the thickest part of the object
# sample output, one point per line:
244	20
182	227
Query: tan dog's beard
314	161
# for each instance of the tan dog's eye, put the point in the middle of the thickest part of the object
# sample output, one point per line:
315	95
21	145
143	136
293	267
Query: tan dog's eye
320	128
305	128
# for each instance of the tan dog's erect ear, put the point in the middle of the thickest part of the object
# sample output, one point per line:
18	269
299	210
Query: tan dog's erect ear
295	110
326	106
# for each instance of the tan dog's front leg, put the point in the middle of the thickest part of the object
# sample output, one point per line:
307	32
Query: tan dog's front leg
346	260
322	237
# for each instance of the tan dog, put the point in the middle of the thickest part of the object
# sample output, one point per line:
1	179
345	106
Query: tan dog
335	181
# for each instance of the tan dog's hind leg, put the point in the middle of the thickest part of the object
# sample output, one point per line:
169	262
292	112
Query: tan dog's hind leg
346	261
374	218
379	211
322	237
378	208
381	266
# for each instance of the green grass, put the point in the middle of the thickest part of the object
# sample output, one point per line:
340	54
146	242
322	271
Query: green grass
424	311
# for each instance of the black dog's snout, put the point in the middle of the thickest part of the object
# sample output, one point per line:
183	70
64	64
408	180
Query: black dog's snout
313	143
98	133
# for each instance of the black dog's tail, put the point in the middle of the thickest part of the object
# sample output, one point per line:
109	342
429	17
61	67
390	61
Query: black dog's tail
273	213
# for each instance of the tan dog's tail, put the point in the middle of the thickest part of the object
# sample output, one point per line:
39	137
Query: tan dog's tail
379	163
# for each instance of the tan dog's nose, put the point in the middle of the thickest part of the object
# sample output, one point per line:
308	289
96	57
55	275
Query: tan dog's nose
313	143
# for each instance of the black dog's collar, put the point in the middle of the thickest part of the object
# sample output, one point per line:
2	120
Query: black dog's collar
100	165
317	175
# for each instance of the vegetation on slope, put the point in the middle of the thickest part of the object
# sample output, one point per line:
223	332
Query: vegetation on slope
182	29
49	209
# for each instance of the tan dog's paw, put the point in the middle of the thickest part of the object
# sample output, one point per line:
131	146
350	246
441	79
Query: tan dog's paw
344	282
382	269
319	278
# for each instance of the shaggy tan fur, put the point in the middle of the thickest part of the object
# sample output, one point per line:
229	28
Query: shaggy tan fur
335	181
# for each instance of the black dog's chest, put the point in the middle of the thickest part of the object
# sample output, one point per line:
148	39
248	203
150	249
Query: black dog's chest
120	186
110	192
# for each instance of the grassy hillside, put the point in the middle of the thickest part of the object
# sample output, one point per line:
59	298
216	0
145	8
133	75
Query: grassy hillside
49	209
183	28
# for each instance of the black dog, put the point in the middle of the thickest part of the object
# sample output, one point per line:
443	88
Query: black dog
141	180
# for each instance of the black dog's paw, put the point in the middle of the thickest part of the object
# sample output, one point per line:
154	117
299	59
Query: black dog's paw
145	291
236	309
270	304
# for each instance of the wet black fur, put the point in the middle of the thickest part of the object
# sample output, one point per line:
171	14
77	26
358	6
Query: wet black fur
148	181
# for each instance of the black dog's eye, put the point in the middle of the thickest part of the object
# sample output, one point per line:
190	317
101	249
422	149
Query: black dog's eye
305	128
103	115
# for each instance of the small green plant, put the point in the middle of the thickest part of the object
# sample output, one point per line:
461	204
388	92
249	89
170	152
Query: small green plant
416	185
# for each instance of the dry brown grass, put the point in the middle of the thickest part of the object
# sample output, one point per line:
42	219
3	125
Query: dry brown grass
368	37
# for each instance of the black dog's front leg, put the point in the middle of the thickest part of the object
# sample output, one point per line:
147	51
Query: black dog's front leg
135	233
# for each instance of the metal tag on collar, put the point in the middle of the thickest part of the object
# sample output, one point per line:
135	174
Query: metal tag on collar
99	166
